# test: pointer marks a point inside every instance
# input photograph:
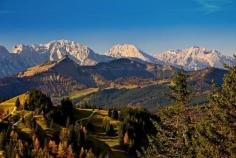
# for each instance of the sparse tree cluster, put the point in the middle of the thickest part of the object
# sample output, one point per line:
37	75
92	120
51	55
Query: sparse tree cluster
113	113
134	130
72	142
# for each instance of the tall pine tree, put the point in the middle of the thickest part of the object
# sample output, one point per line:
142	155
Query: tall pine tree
180	89
17	103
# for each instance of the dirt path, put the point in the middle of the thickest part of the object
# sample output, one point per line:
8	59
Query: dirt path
86	118
11	113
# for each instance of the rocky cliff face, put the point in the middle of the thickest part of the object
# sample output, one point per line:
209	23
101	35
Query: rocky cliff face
56	50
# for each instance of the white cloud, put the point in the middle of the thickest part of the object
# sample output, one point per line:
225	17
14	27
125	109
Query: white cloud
211	6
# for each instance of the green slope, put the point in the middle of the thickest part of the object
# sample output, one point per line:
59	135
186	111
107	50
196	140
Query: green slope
150	97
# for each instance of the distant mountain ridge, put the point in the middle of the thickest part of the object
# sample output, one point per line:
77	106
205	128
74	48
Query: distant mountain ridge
195	58
25	56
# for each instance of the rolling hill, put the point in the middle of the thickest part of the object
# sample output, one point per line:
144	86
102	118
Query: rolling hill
120	82
62	77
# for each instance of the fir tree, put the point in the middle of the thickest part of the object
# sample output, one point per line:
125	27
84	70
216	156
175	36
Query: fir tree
221	127
180	88
17	103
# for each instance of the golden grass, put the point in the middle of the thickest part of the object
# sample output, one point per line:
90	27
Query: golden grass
36	69
42	122
10	104
23	128
81	93
81	113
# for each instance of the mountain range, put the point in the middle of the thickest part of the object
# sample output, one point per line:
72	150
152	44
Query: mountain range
195	58
60	78
24	56
122	79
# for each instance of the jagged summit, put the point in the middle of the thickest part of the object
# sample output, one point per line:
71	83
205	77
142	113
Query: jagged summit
195	58
57	49
24	56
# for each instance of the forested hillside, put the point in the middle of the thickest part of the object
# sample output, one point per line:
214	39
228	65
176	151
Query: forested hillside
201	131
34	126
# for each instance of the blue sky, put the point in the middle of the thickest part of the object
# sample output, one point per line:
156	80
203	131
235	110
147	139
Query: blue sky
152	25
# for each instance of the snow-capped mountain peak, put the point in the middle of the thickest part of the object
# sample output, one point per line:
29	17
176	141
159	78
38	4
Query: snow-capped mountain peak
24	56
124	50
57	49
195	58
130	51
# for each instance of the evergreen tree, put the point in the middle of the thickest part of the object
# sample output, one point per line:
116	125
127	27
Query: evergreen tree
66	110
109	113
180	88
213	134
182	98
17	103
109	130
115	114
220	128
38	100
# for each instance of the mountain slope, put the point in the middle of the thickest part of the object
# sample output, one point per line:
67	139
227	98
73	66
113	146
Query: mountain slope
154	95
120	68
122	79
9	64
202	79
62	77
54	78
195	58
130	51
150	97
